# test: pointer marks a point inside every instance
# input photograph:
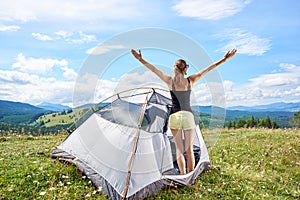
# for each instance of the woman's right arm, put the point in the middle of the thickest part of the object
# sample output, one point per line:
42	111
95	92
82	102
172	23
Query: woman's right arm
167	79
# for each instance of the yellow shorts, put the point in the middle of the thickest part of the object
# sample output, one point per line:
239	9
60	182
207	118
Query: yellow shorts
182	120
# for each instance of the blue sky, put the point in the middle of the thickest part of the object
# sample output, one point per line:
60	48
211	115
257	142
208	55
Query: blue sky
44	45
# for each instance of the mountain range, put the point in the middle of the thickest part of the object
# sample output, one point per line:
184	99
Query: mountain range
53	107
16	112
23	113
290	107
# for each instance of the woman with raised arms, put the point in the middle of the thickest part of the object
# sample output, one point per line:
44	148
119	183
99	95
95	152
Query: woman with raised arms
181	120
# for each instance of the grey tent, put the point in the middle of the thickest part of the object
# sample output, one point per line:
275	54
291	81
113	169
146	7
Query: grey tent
125	147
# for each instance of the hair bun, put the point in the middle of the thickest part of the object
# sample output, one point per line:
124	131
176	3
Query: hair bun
182	65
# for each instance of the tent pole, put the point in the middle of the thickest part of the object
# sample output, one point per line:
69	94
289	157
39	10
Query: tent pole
134	147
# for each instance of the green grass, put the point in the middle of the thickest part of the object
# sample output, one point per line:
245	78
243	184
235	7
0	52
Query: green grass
247	164
58	118
25	174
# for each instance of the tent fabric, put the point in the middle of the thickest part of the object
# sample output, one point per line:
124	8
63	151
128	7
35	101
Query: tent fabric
103	147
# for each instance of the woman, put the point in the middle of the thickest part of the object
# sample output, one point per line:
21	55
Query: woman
181	116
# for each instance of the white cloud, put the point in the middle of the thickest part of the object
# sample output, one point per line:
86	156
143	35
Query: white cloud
142	78
42	37
201	95
31	84
16	77
73	10
104	89
14	11
209	9
267	88
64	34
245	42
287	78
69	73
37	65
83	38
288	67
9	28
264	89
24	87
102	49
90	89
74	38
228	85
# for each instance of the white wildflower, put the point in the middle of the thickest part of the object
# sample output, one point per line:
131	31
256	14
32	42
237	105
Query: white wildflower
43	193
64	177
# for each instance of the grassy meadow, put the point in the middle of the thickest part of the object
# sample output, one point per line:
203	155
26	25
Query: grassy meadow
61	118
246	164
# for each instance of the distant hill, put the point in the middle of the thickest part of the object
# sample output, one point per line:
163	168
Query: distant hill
92	104
66	117
282	118
53	107
23	113
86	105
281	106
17	112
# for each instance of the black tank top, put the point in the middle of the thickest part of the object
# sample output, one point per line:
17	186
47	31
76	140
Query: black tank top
180	99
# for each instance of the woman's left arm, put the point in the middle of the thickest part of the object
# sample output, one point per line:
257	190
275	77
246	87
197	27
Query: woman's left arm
195	77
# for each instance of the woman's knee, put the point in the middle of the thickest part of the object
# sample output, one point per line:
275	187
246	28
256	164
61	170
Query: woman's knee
190	150
179	152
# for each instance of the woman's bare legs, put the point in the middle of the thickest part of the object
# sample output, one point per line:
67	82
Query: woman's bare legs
189	141
177	135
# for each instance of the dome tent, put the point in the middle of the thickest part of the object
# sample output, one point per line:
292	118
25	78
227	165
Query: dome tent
125	147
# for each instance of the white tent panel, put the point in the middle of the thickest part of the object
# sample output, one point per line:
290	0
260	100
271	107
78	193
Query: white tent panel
104	147
107	148
153	156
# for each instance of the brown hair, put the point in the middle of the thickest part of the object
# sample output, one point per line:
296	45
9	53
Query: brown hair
182	65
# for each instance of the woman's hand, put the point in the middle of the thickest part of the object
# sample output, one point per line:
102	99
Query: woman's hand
137	55
230	54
